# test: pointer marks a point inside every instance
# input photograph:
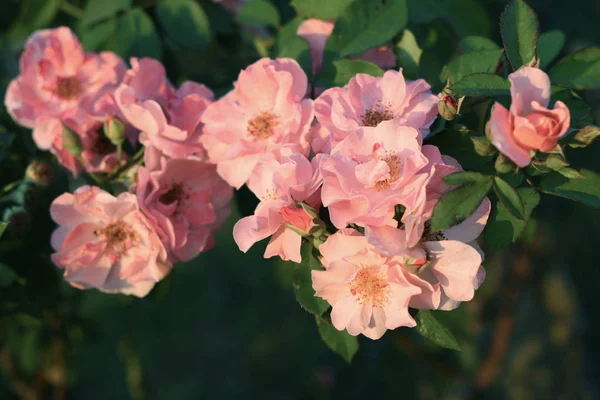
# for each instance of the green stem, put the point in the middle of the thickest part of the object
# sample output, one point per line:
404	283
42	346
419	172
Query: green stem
71	9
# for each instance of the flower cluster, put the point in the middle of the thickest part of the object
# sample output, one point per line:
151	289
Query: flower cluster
372	174
347	172
89	109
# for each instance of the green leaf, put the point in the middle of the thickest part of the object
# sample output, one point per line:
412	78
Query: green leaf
502	227
93	37
328	9
578	108
430	328
549	46
482	84
424	11
35	14
135	36
464	177
509	197
343	70
580	70
185	23
290	45
586	191
470	63
97	10
302	283
8	276
340	342
258	13
519	28
3	226
365	24
467	17
470	44
408	54
457	205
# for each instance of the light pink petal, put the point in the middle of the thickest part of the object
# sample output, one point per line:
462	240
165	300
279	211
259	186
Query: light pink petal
455	265
528	85
471	228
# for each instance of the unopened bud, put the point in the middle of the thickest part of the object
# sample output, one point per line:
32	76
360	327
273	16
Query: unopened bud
504	165
585	136
71	141
483	146
114	130
448	107
40	172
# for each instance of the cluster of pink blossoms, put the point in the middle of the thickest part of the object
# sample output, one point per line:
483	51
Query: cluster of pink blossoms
129	242
347	171
368	162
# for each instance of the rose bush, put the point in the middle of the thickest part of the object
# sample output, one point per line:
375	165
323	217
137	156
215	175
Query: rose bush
382	172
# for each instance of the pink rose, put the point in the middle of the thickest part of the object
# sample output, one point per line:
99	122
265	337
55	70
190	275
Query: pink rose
186	202
369	292
316	32
98	155
529	125
56	78
265	112
168	120
105	242
367	101
453	269
371	171
280	185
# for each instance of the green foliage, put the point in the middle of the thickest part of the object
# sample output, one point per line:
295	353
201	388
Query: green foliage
457	205
509	197
340	342
470	63
470	44
98	10
464	177
257	13
549	46
430	328
341	71
503	227
408	54
519	28
302	283
8	276
328	10
467	17
35	14
580	70
135	36
586	190
365	24
93	37
482	84
185	23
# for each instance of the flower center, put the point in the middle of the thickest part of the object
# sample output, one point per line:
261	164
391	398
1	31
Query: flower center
263	125
118	235
175	193
370	285
375	116
68	88
394	163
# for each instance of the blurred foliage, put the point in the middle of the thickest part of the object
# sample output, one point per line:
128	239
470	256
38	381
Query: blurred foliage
227	324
